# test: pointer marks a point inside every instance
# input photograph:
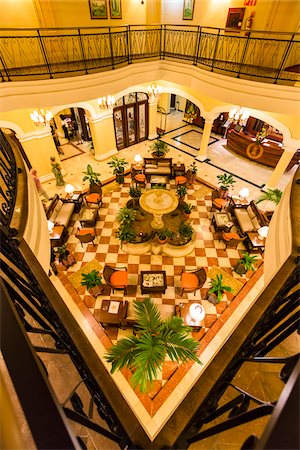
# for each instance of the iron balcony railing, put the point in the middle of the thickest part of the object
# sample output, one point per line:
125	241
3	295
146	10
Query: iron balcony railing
271	57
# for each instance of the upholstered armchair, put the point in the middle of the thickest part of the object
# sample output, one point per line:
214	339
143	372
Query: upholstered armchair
94	196
116	277
86	235
217	202
232	240
191	281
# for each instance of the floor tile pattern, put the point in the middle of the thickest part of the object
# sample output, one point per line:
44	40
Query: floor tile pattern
208	252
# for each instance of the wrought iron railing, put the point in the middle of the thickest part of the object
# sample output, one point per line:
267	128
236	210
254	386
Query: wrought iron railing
49	53
9	180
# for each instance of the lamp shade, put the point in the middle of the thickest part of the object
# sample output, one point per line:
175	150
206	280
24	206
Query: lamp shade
69	189
50	225
263	232
244	193
197	312
138	158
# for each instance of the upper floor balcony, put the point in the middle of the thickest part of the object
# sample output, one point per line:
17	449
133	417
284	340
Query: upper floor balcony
32	54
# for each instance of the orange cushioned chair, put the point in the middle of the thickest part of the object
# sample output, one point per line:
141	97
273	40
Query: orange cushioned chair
232	239
140	178
217	202
180	180
94	197
86	235
116	277
193	280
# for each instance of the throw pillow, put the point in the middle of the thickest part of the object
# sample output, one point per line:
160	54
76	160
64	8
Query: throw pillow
250	212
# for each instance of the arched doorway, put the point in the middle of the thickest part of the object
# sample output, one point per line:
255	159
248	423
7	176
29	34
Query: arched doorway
131	119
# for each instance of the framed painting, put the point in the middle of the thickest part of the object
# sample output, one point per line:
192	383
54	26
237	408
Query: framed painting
188	9
235	18
98	9
115	9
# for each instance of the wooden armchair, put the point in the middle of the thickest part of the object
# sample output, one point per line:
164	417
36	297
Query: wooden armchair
94	196
217	202
191	281
232	240
86	235
116	277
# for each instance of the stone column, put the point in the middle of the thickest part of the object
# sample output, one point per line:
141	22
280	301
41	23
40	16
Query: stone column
103	135
282	164
209	120
39	147
152	118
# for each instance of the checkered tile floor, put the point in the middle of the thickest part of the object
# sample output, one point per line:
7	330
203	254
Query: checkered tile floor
208	252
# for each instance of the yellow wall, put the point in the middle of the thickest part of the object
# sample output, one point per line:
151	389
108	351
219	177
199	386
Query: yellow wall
17	14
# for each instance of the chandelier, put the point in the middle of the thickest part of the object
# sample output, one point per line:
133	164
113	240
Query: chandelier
154	90
41	118
239	117
106	102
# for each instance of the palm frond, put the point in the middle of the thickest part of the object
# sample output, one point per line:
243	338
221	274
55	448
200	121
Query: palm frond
123	353
150	357
148	317
180	346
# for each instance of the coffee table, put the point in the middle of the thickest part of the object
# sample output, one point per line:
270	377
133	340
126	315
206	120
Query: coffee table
254	243
153	281
158	179
88	217
186	314
110	312
221	221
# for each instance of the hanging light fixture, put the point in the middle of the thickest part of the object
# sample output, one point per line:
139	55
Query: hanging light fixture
106	102
41	117
239	116
154	90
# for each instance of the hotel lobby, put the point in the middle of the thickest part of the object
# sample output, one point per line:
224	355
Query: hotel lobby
149	419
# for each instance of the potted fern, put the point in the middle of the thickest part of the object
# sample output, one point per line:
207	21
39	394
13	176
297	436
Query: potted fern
64	256
245	263
159	149
185	232
118	164
163	235
144	352
225	182
135	193
91	176
181	192
217	289
93	282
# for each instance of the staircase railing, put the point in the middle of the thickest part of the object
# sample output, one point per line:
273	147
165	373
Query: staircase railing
50	53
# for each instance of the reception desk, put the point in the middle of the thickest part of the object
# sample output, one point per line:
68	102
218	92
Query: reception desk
267	153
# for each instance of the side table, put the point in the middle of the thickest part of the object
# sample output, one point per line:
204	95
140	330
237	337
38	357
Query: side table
254	243
178	171
77	199
58	236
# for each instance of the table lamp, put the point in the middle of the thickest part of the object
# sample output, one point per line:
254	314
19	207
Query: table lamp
138	159
196	312
69	189
50	226
244	193
263	232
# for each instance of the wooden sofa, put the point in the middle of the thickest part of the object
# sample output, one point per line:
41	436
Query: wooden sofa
249	218
60	212
128	317
157	166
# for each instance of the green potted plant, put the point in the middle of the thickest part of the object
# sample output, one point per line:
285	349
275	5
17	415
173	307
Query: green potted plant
245	263
93	282
159	149
193	169
135	193
225	182
126	215
91	176
144	352
271	195
118	164
187	208
185	232
163	235
125	234
181	192
217	289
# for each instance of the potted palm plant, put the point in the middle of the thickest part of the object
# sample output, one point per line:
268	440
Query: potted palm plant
135	193
225	182
245	263
118	164
271	195
126	217
93	282
185	232
193	169
181	192
187	208
217	289
125	234
91	176
163	235
159	149
145	351
64	256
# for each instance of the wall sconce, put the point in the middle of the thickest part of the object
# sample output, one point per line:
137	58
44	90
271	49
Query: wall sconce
69	189
106	102
239	117
197	312
50	226
41	118
244	193
154	90
263	232
138	159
